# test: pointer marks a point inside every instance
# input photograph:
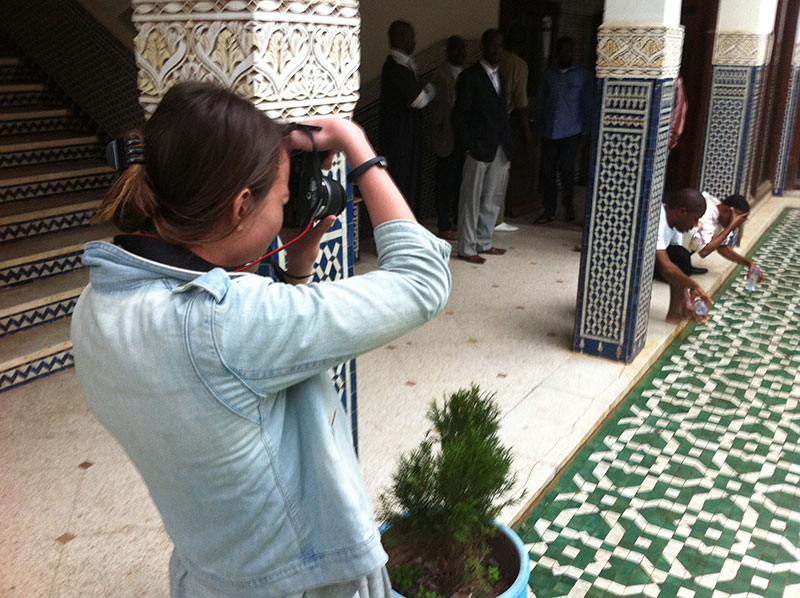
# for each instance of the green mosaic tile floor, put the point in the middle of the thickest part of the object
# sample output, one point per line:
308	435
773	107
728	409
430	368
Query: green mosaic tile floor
692	489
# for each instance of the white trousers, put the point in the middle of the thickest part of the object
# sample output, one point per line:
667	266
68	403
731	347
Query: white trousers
483	186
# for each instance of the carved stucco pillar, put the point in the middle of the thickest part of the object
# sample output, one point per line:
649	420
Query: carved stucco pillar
293	60
636	69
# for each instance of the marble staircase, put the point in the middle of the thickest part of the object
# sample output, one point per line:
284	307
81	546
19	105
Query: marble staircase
52	177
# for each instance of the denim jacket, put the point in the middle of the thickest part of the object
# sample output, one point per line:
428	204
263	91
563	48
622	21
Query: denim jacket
217	385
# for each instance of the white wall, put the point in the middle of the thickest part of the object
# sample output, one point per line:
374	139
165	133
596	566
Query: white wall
747	16
644	12
433	20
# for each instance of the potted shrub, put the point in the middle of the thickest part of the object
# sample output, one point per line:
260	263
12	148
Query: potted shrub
440	531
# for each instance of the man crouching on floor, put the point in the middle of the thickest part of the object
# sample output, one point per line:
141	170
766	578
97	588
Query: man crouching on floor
679	214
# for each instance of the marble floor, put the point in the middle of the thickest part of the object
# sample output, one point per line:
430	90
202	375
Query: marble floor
692	489
77	520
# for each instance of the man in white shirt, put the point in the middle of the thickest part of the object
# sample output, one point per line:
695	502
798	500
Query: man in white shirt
720	229
480	123
401	103
679	214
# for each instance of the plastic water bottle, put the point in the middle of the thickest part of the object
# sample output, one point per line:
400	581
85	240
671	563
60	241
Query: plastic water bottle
752	279
700	307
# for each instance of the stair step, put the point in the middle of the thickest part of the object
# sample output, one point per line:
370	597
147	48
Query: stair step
48	255
35	352
48	147
33	217
19	211
21	87
14	70
26	94
31	119
35	173
46	140
42	301
23	182
31	112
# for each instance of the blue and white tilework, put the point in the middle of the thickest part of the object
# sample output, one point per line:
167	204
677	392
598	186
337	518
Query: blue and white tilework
37	368
789	116
729	114
625	193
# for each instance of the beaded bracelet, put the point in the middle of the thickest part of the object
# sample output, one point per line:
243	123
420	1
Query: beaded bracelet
292	276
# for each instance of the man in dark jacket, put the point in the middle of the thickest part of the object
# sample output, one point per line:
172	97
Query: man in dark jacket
401	103
563	113
480	121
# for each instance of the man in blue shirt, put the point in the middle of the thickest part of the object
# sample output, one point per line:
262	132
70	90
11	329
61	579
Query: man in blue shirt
563	112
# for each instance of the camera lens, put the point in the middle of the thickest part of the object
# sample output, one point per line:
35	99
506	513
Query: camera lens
333	199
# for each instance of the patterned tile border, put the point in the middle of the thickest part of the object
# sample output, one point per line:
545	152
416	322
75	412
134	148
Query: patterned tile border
51	266
67	185
42	226
49	155
693	487
36	369
36	316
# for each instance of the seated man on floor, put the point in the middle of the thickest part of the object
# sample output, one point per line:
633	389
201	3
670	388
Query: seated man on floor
679	214
719	229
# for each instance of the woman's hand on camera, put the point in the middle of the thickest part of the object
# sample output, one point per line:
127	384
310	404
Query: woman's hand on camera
382	198
334	135
302	254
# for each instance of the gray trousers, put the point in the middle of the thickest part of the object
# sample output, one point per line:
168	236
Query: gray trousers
483	186
184	585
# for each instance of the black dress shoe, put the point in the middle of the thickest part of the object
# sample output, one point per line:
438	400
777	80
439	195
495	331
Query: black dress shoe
699	270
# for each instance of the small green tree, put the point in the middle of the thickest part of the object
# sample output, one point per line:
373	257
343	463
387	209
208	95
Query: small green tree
447	492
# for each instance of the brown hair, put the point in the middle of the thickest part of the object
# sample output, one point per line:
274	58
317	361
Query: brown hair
203	145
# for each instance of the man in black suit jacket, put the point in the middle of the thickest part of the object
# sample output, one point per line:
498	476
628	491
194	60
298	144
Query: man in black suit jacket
401	103
480	120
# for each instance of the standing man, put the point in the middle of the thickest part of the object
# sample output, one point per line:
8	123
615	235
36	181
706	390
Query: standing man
480	121
449	154
563	116
402	99
679	214
514	71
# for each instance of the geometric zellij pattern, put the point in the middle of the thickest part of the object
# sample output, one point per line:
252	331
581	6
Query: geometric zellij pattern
625	193
693	487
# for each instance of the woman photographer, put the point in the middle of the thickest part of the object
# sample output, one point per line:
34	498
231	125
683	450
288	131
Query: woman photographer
217	383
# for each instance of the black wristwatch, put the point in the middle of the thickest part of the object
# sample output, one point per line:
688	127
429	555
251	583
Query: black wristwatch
359	170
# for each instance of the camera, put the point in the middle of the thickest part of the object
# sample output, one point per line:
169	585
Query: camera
312	195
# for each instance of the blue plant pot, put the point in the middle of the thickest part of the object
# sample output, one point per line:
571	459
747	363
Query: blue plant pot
518	589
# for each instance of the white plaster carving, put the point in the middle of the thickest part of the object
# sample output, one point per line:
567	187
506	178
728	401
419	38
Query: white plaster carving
742	49
639	52
796	55
292	59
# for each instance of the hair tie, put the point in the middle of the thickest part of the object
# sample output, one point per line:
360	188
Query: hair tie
121	153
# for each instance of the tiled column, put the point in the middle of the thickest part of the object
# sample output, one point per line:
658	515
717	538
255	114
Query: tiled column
789	120
293	60
636	69
741	49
